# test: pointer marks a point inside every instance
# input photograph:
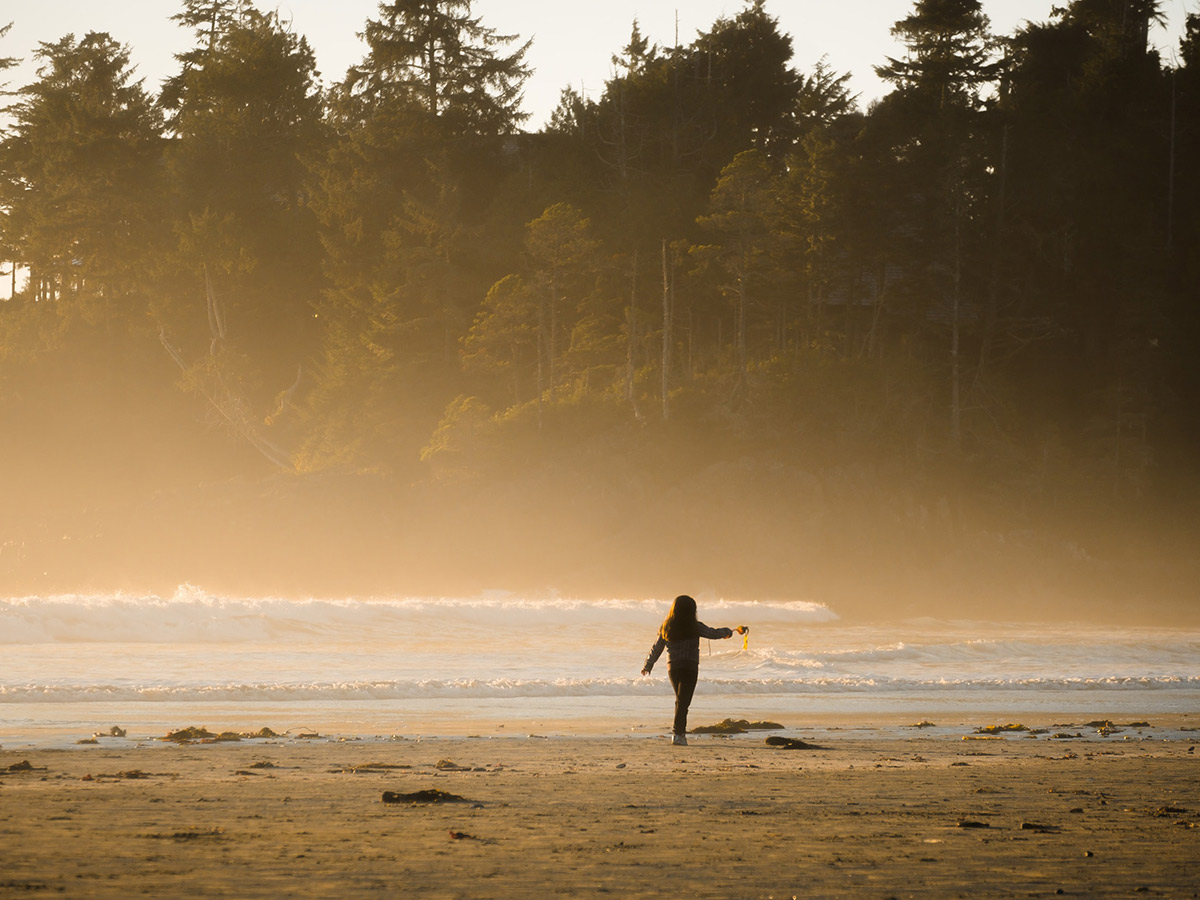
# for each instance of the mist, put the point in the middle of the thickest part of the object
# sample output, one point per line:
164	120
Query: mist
731	335
142	496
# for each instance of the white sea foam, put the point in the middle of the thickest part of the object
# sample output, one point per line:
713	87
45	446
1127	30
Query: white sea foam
483	689
193	616
515	688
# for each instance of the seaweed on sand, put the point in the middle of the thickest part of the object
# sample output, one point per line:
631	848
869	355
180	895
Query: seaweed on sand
736	726
997	729
790	743
189	734
428	796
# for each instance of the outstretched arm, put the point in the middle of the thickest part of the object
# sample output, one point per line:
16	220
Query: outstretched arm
655	653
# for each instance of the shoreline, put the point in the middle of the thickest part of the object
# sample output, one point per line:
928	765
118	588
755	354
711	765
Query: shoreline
868	814
1064	726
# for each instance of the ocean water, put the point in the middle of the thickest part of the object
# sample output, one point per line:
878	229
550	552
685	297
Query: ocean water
72	665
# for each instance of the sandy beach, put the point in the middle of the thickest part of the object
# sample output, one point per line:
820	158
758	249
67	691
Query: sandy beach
868	813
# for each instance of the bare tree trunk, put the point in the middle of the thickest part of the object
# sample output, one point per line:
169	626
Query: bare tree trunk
816	310
741	320
553	337
666	342
1171	174
691	345
516	382
955	374
631	343
541	355
630	328
878	299
992	313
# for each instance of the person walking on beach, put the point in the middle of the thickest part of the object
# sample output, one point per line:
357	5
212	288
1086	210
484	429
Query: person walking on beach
680	635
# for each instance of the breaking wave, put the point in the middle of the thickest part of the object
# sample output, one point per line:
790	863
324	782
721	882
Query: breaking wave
192	615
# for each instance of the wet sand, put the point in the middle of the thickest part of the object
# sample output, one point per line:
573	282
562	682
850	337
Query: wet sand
868	815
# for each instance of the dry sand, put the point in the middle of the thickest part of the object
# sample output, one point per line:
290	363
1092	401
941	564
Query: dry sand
875	815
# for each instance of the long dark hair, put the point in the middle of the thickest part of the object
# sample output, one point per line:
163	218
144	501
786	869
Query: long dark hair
680	622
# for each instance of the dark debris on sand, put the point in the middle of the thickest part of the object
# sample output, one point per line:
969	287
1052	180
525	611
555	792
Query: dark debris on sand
193	834
736	726
131	775
368	767
201	735
24	766
427	796
790	743
1039	827
192	734
1000	729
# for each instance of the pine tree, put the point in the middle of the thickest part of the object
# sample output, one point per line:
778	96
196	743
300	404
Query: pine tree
563	261
421	124
1089	202
743	223
246	115
934	125
436	55
949	53
81	166
503	340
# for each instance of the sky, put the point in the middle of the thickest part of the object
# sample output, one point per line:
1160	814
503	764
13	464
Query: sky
573	43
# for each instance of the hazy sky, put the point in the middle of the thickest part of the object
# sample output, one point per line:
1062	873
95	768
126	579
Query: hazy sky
573	41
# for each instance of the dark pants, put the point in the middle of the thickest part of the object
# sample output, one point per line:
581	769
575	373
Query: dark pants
683	677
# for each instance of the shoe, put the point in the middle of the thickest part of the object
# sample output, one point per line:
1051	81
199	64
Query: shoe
679	740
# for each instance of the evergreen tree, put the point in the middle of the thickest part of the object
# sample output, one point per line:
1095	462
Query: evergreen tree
948	56
503	340
210	20
744	219
80	165
246	115
934	129
811	212
6	62
436	55
823	98
421	124
1089	197
563	259
1183	231
744	65
812	202
7	252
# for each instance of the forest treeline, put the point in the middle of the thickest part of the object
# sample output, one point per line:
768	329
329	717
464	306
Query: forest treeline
985	283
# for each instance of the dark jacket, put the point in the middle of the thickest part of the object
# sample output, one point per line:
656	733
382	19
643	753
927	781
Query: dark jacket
687	649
